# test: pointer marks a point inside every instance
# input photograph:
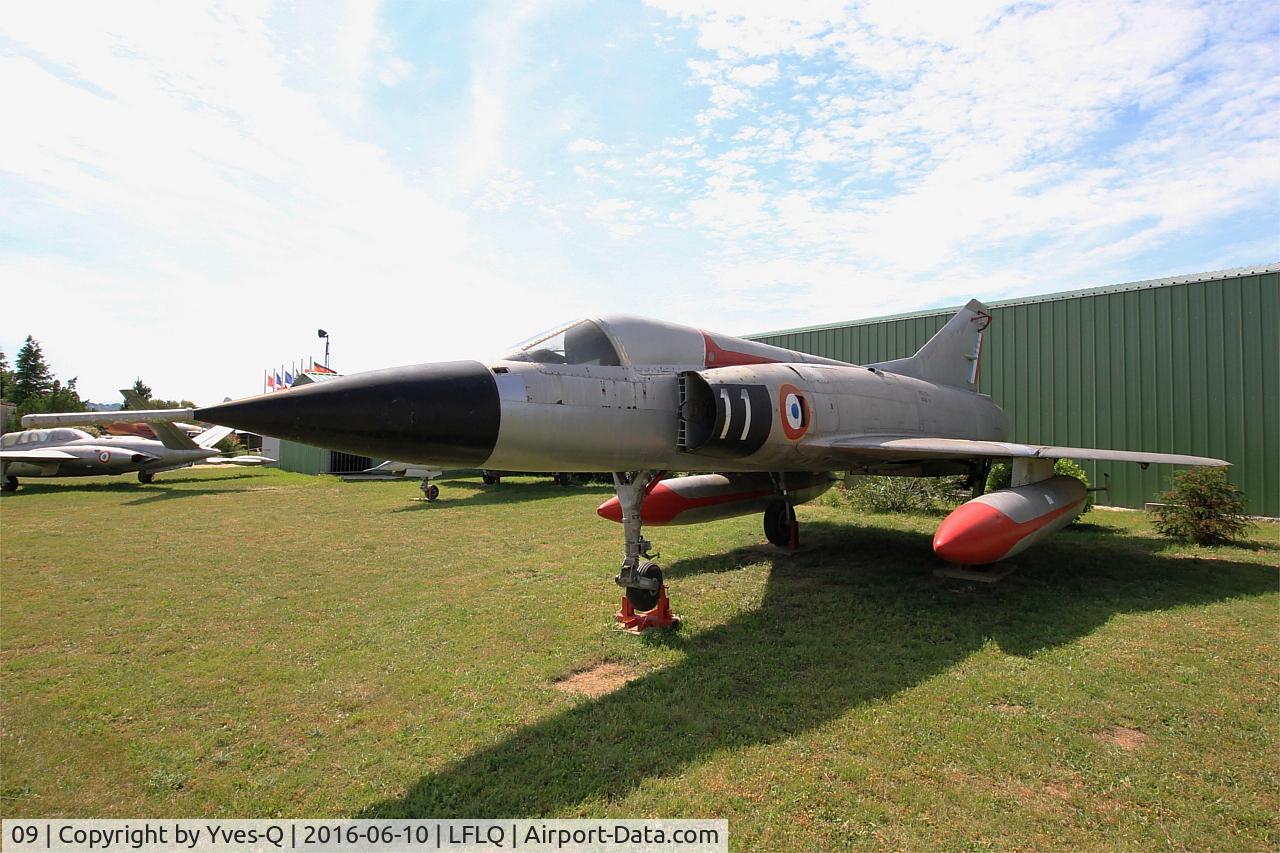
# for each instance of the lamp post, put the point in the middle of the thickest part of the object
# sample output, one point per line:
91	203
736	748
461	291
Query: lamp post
323	334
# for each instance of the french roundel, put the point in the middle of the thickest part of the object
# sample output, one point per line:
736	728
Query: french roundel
794	409
104	455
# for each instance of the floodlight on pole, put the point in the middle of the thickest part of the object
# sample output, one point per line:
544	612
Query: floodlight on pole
323	334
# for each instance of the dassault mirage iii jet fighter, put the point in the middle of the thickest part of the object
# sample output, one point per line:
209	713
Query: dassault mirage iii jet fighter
66	452
642	397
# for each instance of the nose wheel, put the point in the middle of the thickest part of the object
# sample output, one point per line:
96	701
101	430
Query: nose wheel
645	603
644	608
646	598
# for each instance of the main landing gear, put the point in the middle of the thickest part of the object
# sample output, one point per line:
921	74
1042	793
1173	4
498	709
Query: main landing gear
10	484
145	477
430	491
645	604
780	525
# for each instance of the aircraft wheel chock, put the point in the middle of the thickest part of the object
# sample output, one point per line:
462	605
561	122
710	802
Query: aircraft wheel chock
778	519
646	599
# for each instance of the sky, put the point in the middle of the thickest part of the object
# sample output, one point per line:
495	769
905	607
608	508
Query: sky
190	191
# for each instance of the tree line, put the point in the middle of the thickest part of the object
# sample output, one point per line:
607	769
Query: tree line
32	388
30	384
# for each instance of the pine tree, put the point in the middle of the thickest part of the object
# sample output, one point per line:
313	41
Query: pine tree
35	390
6	388
31	376
6	377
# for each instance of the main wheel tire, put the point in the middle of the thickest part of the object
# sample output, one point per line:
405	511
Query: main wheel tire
145	477
431	491
490	479
644	600
10	484
564	479
778	519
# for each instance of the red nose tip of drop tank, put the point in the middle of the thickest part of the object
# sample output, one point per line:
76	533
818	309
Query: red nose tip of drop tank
1003	523
975	534
610	509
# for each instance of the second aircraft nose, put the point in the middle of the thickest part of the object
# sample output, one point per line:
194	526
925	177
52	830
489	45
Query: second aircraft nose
446	413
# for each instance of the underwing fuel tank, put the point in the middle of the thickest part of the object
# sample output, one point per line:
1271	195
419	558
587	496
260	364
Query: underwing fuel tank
708	497
1000	524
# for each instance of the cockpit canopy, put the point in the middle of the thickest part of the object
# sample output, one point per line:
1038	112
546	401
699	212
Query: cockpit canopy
580	342
618	340
62	435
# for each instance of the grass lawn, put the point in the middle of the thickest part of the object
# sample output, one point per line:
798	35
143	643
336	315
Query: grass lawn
258	643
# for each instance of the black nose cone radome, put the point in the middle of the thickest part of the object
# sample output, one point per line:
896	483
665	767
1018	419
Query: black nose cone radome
446	414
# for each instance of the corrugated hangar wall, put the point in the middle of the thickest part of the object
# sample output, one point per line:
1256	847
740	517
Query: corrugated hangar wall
1185	365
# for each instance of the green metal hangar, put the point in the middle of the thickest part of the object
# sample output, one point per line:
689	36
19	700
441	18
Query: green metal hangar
1189	364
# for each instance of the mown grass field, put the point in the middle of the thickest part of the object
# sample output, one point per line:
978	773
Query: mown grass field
257	643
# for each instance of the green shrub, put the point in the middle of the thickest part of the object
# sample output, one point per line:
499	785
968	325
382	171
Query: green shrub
1202	506
1001	477
899	494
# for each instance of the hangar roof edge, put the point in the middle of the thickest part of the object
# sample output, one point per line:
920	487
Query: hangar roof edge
1216	275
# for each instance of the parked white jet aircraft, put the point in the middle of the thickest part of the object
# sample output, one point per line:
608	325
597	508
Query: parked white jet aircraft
66	452
642	397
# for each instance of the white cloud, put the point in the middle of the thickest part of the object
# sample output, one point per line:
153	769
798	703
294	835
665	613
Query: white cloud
808	162
585	146
395	71
1074	135
499	40
755	75
199	182
621	217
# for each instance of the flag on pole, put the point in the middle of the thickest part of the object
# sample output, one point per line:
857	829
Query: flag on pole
271	381
288	379
279	382
320	368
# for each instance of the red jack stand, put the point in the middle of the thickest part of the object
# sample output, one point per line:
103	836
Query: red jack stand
659	617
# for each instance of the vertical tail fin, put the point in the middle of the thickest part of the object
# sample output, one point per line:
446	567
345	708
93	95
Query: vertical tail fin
954	355
170	436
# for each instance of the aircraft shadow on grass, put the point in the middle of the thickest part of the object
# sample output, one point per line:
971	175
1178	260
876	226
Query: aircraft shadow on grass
457	493
883	625
170	479
130	485
155	495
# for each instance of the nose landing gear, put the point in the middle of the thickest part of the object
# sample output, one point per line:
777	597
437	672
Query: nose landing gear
658	615
645	604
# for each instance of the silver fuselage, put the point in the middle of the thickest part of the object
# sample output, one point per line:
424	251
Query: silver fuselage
623	394
587	418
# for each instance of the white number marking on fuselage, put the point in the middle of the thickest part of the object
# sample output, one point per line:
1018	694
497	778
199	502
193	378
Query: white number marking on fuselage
746	426
728	413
